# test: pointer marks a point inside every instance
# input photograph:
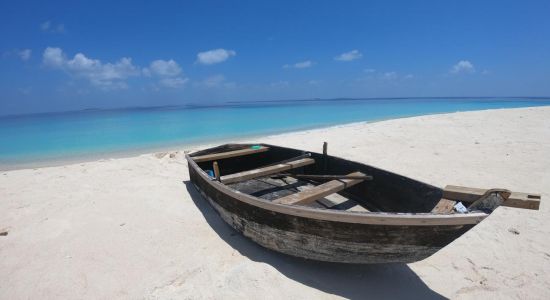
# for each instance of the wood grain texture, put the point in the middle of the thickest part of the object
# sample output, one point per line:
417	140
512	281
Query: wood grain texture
319	191
250	174
322	248
516	199
216	170
372	218
334	235
326	240
444	206
228	154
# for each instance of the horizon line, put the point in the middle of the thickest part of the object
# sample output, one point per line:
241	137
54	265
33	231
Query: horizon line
239	102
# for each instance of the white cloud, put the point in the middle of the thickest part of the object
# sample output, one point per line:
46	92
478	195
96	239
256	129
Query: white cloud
25	54
146	72
176	82
169	71
463	66
167	68
214	56
104	75
113	75
409	76
304	64
48	26
349	56
300	65
369	70
390	75
53	57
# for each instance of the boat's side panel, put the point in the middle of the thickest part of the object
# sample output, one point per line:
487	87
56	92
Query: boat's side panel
328	240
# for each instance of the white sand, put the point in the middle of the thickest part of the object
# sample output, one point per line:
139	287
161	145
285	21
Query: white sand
132	228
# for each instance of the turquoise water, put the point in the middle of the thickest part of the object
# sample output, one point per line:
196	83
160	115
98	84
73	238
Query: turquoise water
59	136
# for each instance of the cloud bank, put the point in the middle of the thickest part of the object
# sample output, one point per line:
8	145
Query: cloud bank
104	75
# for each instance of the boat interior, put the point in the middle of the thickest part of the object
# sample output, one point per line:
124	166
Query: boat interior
318	180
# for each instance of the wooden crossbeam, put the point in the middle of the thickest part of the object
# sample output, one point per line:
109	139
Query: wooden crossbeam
320	191
444	206
516	199
228	154
246	175
325	177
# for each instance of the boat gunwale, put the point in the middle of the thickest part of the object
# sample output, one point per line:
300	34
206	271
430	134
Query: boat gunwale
372	218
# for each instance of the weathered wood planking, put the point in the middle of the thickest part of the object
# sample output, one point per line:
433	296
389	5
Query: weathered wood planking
216	170
333	240
246	175
402	229
467	194
444	206
228	154
319	191
378	218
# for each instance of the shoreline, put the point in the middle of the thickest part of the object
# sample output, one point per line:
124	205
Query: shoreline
137	228
139	151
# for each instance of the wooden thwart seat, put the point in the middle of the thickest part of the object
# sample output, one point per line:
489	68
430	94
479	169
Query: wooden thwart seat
516	199
260	172
228	154
319	191
444	206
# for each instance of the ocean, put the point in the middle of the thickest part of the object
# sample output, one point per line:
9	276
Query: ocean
38	138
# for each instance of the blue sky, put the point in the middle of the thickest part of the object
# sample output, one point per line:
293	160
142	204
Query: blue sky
66	55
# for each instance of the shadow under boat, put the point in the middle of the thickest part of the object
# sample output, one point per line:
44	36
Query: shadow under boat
393	281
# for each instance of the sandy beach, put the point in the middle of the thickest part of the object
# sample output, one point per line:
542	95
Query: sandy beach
136	228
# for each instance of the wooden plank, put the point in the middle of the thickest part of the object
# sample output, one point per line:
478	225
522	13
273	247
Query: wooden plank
444	206
523	200
516	199
327	203
216	170
461	193
326	177
325	157
319	191
358	207
246	175
221	191
228	154
349	205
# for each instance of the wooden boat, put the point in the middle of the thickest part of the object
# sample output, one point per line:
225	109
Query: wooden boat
326	208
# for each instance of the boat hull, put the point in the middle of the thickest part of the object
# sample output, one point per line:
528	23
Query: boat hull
323	239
